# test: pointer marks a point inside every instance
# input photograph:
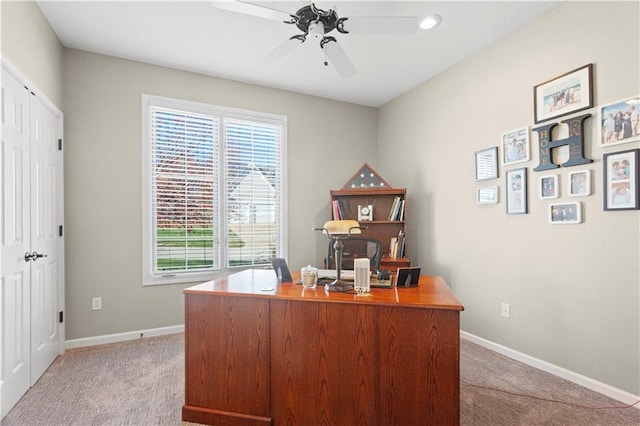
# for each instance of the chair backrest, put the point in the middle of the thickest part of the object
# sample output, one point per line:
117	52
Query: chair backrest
354	248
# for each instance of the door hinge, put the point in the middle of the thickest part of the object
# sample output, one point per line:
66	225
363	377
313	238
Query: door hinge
59	144
61	316
60	231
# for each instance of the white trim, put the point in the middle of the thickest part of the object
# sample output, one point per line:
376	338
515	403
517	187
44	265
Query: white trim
587	382
220	113
29	85
121	337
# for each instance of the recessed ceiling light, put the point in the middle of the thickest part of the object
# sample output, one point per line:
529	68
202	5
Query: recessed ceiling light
430	21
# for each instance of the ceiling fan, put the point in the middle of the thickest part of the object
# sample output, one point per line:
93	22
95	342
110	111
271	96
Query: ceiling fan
318	24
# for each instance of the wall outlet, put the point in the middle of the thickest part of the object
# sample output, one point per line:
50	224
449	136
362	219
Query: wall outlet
96	303
505	310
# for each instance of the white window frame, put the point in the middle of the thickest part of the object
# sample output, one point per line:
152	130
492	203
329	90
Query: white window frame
149	278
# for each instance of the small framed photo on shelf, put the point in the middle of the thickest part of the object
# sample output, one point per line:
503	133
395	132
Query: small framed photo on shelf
516	183
365	212
548	187
562	95
579	183
620	121
565	213
515	146
621	180
487	164
487	195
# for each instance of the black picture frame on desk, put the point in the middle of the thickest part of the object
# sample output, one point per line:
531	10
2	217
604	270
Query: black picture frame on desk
408	277
281	269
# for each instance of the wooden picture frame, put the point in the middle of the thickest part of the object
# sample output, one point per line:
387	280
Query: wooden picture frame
621	180
565	94
565	213
516	189
486	164
619	121
515	146
579	183
487	195
548	187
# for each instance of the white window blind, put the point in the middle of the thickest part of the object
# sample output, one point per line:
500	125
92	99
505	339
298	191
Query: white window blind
213	190
184	182
253	187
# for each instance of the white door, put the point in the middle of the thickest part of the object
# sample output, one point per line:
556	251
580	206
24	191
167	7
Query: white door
31	274
45	336
15	275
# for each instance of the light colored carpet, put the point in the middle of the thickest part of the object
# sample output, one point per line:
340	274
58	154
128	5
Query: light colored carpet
141	382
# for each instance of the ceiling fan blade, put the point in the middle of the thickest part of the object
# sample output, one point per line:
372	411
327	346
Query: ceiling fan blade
278	53
396	25
251	9
339	59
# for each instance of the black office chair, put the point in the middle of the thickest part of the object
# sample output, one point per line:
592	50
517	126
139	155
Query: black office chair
354	248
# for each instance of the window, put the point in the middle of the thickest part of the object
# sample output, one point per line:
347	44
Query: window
214	191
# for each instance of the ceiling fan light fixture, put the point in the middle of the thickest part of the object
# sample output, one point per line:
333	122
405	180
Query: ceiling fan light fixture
430	21
316	29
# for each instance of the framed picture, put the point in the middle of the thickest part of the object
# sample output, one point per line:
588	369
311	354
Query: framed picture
620	121
515	146
487	195
487	164
621	180
516	181
579	183
549	187
565	213
564	94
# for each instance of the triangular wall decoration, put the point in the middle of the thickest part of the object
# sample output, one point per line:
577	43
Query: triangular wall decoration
366	178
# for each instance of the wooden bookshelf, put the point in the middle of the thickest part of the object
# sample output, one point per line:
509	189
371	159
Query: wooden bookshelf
382	201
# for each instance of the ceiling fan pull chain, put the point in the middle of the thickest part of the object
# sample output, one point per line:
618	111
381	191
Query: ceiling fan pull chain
323	44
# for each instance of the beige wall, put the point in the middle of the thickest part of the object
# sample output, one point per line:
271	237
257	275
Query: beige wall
327	142
30	44
573	289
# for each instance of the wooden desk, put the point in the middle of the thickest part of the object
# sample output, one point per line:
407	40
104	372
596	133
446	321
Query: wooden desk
293	356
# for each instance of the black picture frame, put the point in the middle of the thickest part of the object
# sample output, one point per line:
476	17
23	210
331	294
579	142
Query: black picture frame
281	269
408	277
621	188
486	161
565	94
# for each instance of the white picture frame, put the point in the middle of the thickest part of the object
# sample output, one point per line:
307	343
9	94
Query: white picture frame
515	146
608	132
487	195
579	183
548	187
564	213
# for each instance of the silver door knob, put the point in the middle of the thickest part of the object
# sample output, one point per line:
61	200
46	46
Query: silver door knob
33	256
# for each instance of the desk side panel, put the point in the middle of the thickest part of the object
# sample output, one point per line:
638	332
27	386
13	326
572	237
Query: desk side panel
419	366
324	363
227	355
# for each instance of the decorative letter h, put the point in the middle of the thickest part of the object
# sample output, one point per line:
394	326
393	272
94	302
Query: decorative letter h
575	142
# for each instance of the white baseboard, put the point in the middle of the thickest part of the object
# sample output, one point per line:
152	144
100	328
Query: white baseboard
121	337
587	382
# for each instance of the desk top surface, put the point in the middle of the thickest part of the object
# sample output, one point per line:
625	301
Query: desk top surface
432	292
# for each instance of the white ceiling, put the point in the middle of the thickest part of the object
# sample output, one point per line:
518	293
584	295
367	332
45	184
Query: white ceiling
195	36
